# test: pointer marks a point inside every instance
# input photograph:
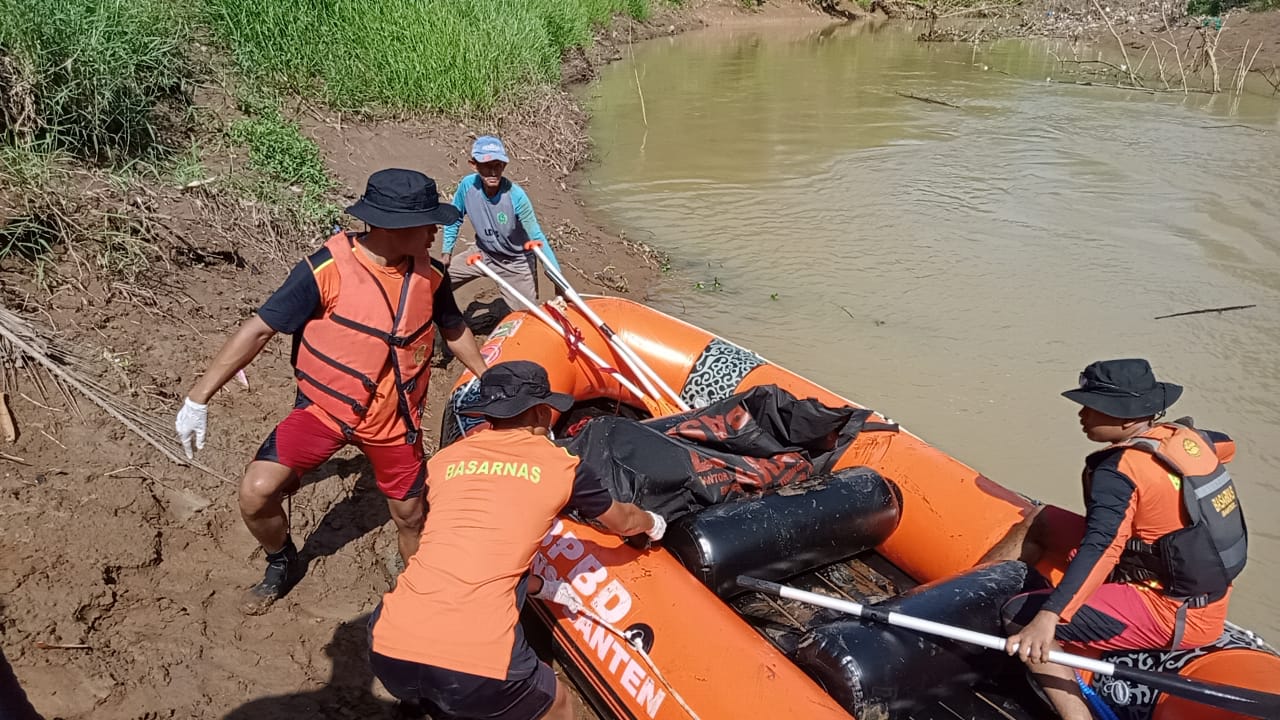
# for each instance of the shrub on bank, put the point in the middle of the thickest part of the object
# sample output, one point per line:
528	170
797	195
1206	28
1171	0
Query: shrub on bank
88	76
283	155
104	80
408	54
1218	7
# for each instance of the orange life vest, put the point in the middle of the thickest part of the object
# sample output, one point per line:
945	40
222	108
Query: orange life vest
364	334
1198	562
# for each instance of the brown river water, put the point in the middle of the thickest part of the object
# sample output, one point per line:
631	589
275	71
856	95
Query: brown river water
955	268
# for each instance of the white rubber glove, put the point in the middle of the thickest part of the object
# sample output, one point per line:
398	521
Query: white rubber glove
659	528
193	420
560	593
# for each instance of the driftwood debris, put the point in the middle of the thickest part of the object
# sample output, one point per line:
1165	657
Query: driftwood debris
1235	125
929	100
42	348
13	458
8	428
1206	310
42	645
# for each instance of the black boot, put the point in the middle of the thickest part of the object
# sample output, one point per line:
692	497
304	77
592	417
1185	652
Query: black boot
282	570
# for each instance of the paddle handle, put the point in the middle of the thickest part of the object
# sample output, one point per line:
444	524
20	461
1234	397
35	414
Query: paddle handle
914	623
651	380
541	314
1243	701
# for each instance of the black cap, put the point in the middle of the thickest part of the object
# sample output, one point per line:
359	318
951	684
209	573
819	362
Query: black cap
1124	389
395	199
509	388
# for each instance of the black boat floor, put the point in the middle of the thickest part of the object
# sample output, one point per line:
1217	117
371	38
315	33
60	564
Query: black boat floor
870	578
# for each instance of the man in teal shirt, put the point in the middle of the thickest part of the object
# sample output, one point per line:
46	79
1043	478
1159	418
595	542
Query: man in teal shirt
503	219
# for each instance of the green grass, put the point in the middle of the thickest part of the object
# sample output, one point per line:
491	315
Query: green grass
91	77
444	55
31	222
282	155
290	171
1214	8
187	166
278	148
108	82
44	208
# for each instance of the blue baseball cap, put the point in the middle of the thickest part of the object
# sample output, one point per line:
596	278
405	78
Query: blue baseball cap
488	148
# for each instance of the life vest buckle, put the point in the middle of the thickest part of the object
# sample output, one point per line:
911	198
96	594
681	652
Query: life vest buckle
1138	546
1198	601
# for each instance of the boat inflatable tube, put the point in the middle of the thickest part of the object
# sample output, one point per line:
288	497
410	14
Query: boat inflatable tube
1238	658
1242	667
789	532
879	671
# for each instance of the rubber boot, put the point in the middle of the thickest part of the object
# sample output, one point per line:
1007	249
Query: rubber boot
281	574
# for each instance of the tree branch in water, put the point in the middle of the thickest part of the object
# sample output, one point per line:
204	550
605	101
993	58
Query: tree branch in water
1206	310
1128	65
930	100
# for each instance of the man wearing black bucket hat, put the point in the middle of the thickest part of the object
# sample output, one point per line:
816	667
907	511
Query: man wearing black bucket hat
1163	537
363	312
448	635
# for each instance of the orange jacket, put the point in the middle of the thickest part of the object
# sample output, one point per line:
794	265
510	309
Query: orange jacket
1147	525
344	353
1204	556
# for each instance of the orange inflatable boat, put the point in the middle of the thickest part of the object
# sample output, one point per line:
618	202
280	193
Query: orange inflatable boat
901	524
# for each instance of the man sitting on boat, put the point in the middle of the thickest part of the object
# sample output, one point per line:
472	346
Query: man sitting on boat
447	636
1162	538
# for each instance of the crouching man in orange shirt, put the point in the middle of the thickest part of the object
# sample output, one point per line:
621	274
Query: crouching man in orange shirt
448	635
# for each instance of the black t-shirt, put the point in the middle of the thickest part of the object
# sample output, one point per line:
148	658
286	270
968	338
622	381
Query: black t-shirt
589	498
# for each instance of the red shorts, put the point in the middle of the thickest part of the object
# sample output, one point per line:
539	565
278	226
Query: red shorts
1114	618
302	441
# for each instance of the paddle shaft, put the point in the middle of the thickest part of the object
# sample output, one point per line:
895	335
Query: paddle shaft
1253	703
647	376
564	332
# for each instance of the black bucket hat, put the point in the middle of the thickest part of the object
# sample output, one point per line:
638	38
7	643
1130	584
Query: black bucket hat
395	199
1125	389
509	388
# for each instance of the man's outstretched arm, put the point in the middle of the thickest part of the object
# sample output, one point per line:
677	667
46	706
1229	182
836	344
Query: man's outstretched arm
239	350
